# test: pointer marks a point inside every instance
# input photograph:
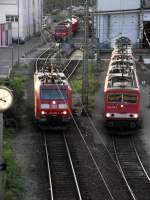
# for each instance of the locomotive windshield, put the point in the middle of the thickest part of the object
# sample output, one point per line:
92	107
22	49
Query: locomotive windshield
128	98
51	94
124	98
60	29
114	97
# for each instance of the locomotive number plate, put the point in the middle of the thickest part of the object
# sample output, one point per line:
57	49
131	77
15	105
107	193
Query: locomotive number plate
53	106
44	106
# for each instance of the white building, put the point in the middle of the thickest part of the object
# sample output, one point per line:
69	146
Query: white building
29	13
5	34
122	18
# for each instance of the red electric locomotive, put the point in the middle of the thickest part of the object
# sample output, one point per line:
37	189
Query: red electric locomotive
74	24
122	91
65	29
53	98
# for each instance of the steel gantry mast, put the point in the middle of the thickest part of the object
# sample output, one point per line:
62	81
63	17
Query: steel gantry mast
85	57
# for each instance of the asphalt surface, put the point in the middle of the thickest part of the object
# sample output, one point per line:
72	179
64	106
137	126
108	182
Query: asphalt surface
11	54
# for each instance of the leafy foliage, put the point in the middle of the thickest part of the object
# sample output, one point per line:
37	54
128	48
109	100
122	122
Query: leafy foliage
77	83
50	5
12	117
92	82
13	181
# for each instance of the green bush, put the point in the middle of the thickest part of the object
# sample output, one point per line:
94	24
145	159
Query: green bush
13	181
12	117
92	84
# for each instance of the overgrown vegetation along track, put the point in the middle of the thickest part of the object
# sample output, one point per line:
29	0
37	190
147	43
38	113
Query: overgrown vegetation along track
62	177
132	169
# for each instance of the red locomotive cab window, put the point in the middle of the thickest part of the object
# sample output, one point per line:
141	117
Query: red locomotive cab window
128	98
114	98
60	29
124	98
51	94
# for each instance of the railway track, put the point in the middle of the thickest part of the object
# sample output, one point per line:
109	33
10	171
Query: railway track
62	177
105	173
71	67
44	57
131	166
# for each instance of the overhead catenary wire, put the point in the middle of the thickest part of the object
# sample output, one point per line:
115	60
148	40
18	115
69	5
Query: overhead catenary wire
88	148
95	128
95	163
78	128
146	37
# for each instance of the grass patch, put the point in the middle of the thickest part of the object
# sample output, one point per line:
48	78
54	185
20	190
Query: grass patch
13	180
92	82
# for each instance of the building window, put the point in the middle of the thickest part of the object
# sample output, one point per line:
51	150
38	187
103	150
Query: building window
11	18
16	18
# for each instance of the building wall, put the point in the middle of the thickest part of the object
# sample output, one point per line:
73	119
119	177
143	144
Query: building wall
10	2
146	16
30	16
124	25
146	3
5	10
102	29
112	22
107	5
9	10
111	26
5	34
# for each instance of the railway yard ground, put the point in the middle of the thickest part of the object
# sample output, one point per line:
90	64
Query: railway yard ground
99	176
10	54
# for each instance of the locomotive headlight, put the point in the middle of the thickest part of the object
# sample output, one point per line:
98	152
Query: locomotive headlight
43	112
65	112
108	115
53	102
63	106
135	115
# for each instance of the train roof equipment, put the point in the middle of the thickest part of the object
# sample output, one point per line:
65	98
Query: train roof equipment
50	76
122	70
123	42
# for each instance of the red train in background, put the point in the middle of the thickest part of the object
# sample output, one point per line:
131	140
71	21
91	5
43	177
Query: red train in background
122	90
53	98
66	29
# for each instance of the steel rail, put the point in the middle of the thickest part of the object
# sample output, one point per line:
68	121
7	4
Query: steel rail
48	57
94	161
49	169
140	161
67	65
37	59
73	170
79	61
71	165
121	170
